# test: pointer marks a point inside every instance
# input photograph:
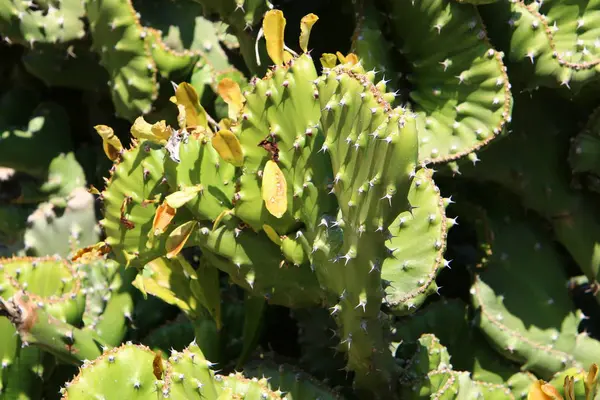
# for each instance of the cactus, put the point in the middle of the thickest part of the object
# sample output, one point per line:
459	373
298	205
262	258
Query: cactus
132	71
545	190
418	240
291	216
550	341
551	44
138	372
460	90
429	374
29	142
43	22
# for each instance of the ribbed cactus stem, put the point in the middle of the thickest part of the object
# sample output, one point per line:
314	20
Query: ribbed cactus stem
35	326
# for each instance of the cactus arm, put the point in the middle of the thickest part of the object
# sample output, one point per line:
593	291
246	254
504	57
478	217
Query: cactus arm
552	44
120	41
362	136
58	22
418	242
546	126
461	89
36	326
544	337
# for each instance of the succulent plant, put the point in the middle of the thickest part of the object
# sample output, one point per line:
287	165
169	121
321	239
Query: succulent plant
276	221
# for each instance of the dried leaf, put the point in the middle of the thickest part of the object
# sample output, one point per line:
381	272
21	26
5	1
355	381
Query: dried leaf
195	115
110	142
179	237
229	148
231	93
274	27
181	197
306	25
274	189
158	132
157	366
164	214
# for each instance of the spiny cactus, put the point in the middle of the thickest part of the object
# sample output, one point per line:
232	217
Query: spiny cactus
41	22
137	372
289	216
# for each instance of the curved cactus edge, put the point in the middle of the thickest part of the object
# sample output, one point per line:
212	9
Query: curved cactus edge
440	261
508	100
151	63
52	299
567	359
548	30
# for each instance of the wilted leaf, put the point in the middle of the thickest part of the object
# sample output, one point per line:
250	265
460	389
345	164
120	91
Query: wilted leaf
181	197
274	189
306	25
179	237
231	93
158	132
162	218
274	27
229	148
110	142
195	115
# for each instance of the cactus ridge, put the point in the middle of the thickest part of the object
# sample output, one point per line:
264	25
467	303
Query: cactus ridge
124	51
541	349
55	22
461	88
554	43
282	109
132	196
51	282
410	273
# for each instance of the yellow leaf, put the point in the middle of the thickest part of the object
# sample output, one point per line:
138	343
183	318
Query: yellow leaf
541	390
186	96
229	148
179	198
230	91
274	189
328	60
273	28
158	132
162	218
179	237
272	234
352	58
590	381
110	142
306	25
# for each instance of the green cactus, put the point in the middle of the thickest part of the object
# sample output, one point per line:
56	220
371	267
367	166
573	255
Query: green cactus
42	22
460	89
552	44
429	374
21	367
418	241
52	230
465	344
540	178
120	41
72	66
241	16
293	383
517	256
31	137
135	371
